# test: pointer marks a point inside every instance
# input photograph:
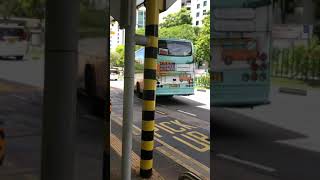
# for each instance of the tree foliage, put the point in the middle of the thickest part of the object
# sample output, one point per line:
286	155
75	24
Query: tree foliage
178	32
175	19
22	8
31	8
114	58
140	31
7	8
120	59
203	42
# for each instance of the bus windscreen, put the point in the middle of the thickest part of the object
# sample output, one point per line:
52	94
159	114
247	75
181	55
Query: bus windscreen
174	48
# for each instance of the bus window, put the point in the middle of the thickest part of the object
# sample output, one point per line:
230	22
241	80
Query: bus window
175	48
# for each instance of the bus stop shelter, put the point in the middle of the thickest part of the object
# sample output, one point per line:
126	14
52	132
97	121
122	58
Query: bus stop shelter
59	101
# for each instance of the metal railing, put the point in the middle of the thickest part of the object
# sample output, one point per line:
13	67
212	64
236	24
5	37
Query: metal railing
295	64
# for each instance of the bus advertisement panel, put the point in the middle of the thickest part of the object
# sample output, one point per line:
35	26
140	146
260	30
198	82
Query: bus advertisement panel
175	68
240	45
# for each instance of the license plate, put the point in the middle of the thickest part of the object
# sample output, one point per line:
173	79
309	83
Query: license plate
217	76
12	40
167	66
173	85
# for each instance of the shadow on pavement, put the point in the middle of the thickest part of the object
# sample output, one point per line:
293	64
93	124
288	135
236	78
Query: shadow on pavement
250	140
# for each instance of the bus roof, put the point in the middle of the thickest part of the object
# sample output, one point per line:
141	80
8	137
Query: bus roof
173	39
11	26
139	54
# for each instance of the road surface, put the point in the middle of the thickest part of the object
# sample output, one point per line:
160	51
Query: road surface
182	128
278	141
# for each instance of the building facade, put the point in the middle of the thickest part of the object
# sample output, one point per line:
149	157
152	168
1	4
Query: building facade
199	9
141	17
117	35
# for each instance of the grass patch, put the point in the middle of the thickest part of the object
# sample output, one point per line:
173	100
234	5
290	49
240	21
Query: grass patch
201	88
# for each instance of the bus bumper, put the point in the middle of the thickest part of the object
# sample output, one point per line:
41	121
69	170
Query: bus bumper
247	104
174	91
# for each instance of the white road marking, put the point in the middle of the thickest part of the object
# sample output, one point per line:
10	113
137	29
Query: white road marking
19	97
248	163
204	107
160	112
187	113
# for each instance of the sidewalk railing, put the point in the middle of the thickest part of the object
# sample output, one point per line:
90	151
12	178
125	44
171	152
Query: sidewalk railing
295	63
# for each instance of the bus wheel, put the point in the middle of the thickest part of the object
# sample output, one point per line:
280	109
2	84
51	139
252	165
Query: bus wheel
166	97
90	80
19	58
138	91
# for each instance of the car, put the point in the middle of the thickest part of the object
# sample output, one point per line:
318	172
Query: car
114	74
13	41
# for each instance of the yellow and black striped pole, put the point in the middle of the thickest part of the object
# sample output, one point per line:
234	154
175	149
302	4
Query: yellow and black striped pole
149	91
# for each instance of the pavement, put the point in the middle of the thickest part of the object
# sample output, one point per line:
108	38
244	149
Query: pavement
181	132
277	141
21	111
22	92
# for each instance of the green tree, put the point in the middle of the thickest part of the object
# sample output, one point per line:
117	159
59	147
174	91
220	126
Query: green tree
202	45
140	31
114	58
7	8
178	32
176	19
30	8
120	51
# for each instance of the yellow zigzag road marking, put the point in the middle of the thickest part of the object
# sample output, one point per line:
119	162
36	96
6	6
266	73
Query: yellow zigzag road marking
185	157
